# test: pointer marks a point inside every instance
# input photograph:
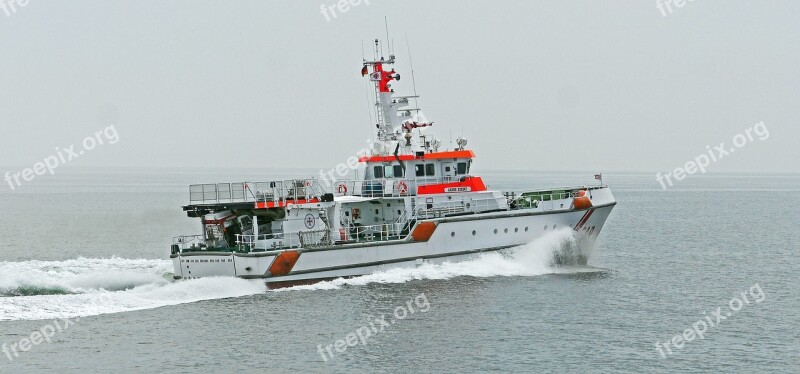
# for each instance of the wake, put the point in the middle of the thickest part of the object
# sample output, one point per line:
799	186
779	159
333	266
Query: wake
554	253
34	290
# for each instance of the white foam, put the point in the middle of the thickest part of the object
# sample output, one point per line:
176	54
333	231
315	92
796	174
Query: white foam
535	258
80	275
101	286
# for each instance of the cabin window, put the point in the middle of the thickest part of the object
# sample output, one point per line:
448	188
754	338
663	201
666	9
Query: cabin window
425	170
389	171
461	168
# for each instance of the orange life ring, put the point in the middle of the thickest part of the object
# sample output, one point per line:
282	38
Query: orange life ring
342	189
402	187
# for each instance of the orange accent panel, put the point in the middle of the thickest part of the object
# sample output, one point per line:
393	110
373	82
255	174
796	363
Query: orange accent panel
582	203
284	263
423	231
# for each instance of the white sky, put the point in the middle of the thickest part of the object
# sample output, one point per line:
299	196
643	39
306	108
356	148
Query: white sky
543	85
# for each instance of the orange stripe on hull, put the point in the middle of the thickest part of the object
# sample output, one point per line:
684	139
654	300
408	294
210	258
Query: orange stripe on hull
423	231
284	263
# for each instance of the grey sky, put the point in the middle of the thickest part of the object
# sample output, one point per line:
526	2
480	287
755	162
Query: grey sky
556	85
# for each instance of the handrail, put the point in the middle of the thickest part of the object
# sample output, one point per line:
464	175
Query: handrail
274	191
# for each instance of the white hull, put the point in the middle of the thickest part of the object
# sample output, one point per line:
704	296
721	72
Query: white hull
454	239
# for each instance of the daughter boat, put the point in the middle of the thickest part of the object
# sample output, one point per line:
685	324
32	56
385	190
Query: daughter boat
413	204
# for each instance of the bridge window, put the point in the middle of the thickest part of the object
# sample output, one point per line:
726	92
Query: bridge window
398	171
462	168
388	171
425	170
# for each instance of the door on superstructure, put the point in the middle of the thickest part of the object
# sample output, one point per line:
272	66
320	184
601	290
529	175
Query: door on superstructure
448	171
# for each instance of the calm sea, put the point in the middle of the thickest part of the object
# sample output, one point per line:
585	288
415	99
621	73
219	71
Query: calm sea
83	260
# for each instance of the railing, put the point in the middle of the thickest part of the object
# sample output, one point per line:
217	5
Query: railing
275	191
299	189
465	204
384	187
544	199
189	241
319	238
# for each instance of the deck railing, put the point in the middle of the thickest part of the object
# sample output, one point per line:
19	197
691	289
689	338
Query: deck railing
275	191
319	238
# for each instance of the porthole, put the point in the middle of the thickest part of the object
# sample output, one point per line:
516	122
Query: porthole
554	227
495	231
474	232
506	230
526	228
545	227
453	233
516	229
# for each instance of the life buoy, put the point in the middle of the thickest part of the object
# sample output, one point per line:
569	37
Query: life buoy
402	187
343	189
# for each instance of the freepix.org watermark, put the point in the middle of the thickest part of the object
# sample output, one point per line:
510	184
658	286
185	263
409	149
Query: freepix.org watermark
10	7
700	327
362	334
37	337
342	6
343	169
713	154
665	6
107	135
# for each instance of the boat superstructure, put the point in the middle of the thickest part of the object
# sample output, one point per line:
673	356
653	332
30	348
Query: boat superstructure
412	203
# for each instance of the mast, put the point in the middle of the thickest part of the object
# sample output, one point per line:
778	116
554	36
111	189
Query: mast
394	120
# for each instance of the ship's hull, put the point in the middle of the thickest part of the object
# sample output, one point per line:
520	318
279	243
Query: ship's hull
454	239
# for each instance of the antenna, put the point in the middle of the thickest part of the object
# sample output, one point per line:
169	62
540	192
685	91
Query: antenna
413	81
369	104
386	24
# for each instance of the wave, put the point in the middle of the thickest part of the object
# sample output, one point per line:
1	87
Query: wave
35	290
82	287
79	275
554	253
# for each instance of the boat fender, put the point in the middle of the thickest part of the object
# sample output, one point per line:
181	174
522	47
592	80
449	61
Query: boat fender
581	203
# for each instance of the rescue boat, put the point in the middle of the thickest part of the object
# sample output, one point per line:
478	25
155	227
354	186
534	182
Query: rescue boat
411	203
